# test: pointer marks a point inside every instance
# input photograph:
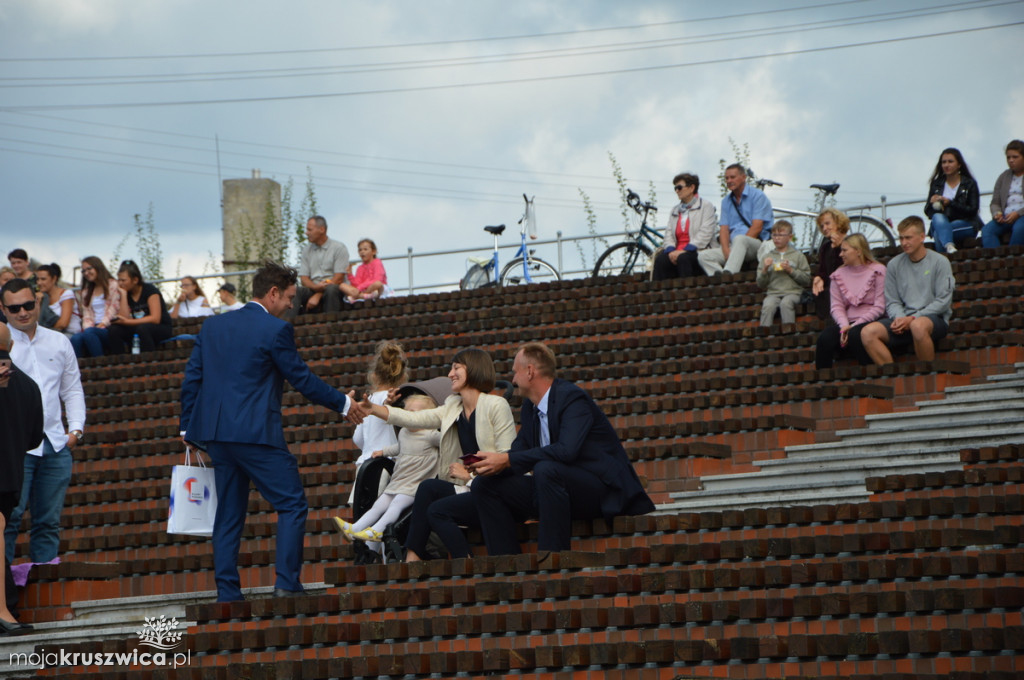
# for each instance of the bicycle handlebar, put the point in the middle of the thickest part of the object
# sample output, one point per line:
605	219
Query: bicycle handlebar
634	202
763	182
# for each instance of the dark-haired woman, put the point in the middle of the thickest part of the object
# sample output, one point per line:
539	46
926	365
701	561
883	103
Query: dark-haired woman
143	313
101	301
1008	201
952	202
471	420
61	301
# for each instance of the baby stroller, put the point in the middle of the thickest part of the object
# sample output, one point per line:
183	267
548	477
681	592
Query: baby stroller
368	480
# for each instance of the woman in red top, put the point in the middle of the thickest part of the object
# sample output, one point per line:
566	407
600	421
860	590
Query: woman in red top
692	226
369	280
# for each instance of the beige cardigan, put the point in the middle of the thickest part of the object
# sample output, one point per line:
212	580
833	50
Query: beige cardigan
495	427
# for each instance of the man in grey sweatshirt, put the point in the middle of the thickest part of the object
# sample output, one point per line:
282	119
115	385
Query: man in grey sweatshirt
918	299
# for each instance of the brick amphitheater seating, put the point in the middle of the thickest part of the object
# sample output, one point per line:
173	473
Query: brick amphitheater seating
922	580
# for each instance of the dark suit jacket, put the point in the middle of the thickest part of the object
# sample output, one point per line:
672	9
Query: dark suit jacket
581	436
21	427
233	380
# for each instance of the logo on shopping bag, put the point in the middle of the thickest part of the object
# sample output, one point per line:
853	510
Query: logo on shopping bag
196	490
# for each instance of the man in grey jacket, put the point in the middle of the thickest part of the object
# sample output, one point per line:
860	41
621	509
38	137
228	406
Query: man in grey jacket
919	288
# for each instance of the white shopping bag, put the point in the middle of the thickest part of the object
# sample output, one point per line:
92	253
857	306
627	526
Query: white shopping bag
193	498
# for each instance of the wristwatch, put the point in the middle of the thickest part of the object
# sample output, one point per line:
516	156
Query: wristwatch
79	435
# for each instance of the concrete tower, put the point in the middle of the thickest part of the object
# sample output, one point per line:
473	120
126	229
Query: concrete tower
251	222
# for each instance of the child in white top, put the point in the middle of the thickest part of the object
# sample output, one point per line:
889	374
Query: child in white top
388	370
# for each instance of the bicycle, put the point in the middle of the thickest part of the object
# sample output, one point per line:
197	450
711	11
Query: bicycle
525	267
877	232
623	258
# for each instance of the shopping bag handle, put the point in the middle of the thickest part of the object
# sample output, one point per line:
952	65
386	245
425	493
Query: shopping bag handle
199	457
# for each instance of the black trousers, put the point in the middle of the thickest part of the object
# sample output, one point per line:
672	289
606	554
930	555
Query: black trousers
556	494
828	349
438	508
119	338
686	265
8	501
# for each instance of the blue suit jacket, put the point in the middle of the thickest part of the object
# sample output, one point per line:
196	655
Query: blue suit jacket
581	436
233	380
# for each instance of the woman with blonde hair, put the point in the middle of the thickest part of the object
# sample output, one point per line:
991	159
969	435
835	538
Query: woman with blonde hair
857	294
833	225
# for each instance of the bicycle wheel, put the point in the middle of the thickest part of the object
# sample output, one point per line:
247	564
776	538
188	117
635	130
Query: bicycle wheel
540	272
874	230
628	257
478	276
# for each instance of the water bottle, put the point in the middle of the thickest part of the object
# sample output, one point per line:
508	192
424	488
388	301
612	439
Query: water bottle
136	348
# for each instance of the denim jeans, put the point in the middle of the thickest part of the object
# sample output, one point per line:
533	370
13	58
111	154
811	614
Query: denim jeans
42	493
90	342
944	231
993	231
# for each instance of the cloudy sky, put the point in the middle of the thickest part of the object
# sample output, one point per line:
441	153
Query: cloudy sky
422	122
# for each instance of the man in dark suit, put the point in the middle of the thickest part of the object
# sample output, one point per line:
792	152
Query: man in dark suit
231	407
580	470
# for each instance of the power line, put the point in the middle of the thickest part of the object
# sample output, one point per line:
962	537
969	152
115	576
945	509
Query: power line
433	43
511	81
501	58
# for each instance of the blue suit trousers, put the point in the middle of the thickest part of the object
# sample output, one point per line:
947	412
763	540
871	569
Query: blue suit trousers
275	474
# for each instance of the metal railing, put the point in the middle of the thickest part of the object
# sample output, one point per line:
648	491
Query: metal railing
438	266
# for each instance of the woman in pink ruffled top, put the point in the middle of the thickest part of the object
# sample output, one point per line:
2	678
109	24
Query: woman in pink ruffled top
370	280
858	298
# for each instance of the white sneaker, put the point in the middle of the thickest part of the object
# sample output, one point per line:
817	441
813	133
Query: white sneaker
950	248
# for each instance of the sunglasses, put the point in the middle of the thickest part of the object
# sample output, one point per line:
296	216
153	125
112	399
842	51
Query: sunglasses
678	187
27	306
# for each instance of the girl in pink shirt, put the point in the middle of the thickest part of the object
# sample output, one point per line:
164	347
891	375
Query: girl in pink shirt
369	280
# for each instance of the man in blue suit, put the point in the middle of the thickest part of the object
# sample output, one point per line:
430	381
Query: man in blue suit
580	470
231	407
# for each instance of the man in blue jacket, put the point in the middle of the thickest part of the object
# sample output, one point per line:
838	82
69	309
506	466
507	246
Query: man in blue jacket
580	470
231	407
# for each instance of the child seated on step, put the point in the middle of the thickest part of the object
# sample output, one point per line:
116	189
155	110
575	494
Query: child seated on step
416	455
784	274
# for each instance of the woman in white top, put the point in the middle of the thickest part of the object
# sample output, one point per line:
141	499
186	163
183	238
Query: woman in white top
61	301
101	300
191	303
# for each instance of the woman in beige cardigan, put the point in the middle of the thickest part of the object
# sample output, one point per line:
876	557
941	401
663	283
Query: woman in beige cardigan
470	420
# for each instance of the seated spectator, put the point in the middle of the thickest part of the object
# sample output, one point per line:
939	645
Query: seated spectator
745	222
858	298
691	229
101	302
952	202
370	280
6	274
191	302
61	302
580	470
322	268
229	302
833	225
1007	201
918	299
21	267
143	313
784	274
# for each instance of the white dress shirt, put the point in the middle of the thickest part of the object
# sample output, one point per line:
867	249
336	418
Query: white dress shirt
50	361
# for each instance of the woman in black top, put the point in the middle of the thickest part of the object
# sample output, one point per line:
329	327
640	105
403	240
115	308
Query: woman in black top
952	201
143	313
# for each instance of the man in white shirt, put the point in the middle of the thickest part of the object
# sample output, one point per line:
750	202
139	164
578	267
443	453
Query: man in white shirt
47	357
